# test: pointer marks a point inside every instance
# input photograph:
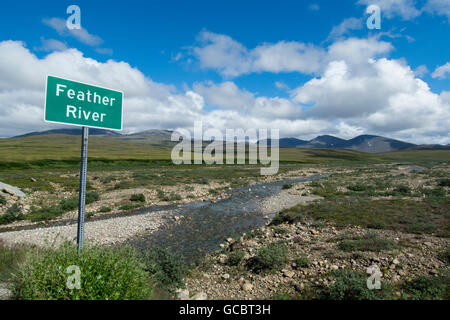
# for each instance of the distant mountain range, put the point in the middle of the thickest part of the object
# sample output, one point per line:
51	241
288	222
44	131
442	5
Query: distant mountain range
362	143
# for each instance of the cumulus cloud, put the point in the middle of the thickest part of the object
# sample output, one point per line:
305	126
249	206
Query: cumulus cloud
421	70
386	98
356	90
49	45
82	35
231	58
344	27
405	9
441	72
440	7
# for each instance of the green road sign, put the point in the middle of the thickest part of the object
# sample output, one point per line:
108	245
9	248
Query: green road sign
80	104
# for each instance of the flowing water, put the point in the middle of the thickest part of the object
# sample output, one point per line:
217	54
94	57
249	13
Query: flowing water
204	225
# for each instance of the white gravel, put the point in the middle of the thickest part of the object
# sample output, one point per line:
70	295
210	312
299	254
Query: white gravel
108	231
284	200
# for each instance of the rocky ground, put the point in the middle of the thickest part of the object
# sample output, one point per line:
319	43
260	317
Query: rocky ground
216	279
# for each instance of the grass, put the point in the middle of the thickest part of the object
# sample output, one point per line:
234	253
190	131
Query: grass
52	212
105	274
10	258
396	214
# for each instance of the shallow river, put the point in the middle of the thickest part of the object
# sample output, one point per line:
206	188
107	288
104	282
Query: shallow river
207	224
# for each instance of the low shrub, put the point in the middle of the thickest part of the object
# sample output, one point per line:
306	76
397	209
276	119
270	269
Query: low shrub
138	197
166	268
351	285
235	257
106	274
104	209
2	199
402	189
12	214
270	257
287	186
370	242
444	183
428	288
44	213
302	262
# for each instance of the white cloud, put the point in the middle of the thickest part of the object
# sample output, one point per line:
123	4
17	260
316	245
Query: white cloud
441	72
345	26
405	9
386	98
421	71
440	7
49	45
105	51
231	58
380	96
81	35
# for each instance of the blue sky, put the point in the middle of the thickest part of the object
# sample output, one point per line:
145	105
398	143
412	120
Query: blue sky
191	51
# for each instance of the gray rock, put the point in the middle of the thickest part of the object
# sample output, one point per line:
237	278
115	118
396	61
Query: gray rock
200	296
11	190
182	294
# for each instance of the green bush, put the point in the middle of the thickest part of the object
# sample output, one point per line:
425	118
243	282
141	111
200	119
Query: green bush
44	213
370	242
302	262
402	189
444	183
271	257
287	186
166	268
12	214
104	209
445	255
351	285
69	204
138	197
92	197
72	203
235	257
2	199
106	274
428	288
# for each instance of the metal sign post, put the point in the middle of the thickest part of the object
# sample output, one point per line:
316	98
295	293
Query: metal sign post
82	197
81	104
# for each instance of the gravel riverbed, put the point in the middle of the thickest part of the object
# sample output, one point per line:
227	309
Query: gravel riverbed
105	232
